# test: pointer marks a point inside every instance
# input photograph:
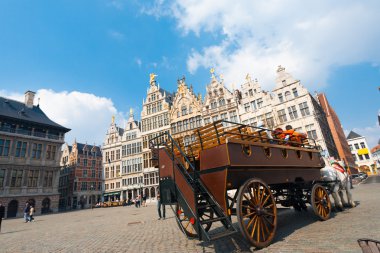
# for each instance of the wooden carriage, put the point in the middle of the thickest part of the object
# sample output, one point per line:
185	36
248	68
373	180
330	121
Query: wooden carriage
235	169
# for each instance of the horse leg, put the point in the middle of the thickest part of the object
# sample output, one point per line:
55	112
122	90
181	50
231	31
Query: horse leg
338	204
342	197
349	194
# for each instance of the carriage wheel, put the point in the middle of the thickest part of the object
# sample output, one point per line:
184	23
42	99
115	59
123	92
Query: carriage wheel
256	212
320	202
184	222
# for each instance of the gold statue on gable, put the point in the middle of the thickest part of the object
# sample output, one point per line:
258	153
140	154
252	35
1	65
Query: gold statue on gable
152	78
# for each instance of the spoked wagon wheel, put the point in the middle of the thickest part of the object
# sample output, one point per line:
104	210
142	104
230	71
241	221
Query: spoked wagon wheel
205	214
185	222
256	212
320	202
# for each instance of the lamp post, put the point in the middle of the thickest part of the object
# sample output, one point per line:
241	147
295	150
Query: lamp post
91	196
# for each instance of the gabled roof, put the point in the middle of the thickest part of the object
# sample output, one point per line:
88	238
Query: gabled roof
80	147
18	111
353	135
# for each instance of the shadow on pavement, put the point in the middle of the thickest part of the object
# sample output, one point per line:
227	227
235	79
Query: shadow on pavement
288	221
11	232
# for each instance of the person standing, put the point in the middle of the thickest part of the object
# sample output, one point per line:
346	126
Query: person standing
159	204
144	200
2	213
26	212
31	213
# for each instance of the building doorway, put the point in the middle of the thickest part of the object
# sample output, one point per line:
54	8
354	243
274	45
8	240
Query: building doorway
12	209
45	206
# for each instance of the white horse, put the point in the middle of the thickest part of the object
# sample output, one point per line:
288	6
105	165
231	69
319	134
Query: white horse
339	182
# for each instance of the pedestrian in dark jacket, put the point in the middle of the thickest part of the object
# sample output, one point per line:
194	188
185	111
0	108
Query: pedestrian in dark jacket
2	213
26	212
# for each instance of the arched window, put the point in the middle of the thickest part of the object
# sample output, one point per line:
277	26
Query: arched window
222	102
287	96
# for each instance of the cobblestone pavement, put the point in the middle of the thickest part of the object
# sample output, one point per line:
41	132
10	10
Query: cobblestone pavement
129	229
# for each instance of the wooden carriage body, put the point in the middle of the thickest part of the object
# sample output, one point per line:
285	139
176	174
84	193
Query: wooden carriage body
223	157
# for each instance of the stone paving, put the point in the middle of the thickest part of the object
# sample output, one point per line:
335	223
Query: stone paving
130	229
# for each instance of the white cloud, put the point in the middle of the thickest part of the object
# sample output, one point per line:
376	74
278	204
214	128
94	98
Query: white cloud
87	115
157	9
116	35
308	39
118	4
138	62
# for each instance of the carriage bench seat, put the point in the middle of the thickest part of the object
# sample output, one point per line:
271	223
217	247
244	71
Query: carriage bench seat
369	245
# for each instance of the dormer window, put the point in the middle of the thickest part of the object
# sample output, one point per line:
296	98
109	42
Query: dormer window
280	97
284	82
295	92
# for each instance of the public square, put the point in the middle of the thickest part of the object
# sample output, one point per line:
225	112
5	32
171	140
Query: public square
130	229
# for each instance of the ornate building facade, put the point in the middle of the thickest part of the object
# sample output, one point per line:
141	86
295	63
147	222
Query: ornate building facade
155	120
80	182
256	105
295	106
111	150
132	159
185	113
219	103
30	146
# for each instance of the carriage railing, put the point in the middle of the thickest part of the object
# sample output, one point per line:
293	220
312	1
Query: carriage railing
311	142
219	132
167	141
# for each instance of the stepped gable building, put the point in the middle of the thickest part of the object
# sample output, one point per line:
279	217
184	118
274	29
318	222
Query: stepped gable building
294	106
112	162
337	132
30	146
219	102
186	112
80	182
360	152
155	120
256	105
132	160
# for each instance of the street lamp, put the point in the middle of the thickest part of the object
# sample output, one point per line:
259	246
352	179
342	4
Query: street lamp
91	196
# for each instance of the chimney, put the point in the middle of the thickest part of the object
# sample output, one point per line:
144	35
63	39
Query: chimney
29	98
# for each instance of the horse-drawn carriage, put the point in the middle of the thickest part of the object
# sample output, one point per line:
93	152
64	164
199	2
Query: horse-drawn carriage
235	169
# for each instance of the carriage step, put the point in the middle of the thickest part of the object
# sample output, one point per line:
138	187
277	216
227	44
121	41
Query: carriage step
222	234
205	206
213	220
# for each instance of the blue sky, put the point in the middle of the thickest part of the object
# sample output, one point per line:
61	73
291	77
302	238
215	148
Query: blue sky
86	58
